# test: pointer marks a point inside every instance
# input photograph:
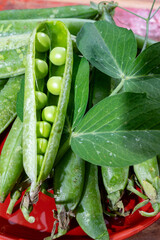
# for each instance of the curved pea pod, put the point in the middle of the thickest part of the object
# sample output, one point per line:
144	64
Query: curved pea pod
147	174
11	160
60	37
89	213
115	181
68	184
8	97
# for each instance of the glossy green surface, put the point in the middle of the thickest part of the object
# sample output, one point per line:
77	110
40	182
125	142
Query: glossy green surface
89	213
43	42
54	85
41	100
43	129
11	161
68	181
8	97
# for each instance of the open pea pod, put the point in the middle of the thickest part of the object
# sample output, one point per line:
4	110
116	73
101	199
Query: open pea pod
43	116
20	27
8	97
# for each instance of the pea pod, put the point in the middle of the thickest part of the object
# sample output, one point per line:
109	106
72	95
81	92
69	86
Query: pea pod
115	181
79	11
89	213
16	192
11	160
147	174
12	55
59	36
8	97
68	183
20	27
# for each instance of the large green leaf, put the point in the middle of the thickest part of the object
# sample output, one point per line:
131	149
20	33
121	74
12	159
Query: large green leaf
146	84
121	130
109	48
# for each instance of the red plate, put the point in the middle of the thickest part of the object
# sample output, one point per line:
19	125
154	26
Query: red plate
15	227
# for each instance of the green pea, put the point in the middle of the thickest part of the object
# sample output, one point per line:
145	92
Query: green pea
41	100
41	68
58	56
43	42
41	145
39	162
49	113
43	129
54	85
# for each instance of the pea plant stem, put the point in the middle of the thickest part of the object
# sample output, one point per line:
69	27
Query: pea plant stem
118	88
147	26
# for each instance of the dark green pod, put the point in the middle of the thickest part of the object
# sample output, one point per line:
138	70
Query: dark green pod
79	11
68	184
59	36
8	97
89	213
11	160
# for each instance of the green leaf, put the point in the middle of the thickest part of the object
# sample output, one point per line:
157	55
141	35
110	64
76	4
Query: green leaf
20	101
147	62
121	130
147	84
109	48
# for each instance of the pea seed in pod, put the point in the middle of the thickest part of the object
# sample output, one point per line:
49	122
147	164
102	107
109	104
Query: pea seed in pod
41	100
54	85
43	42
43	129
49	113
41	68
41	145
58	56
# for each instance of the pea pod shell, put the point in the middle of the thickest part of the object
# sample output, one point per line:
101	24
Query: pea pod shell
89	213
8	97
115	179
13	28
79	11
11	161
147	170
68	180
29	115
56	131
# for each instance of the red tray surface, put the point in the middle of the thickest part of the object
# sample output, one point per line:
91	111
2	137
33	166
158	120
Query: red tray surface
15	227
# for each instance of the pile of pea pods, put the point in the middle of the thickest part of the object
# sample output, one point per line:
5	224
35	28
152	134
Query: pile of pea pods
36	83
